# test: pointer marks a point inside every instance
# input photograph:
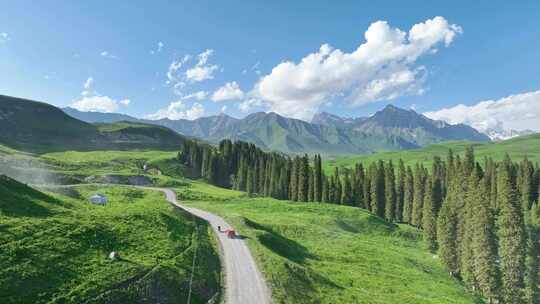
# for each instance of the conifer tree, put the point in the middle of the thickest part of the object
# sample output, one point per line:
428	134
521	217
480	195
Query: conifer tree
418	199
367	189
408	196
293	188
484	242
512	239
447	235
311	185
532	278
468	230
428	217
325	190
377	189
390	192
346	190
250	182
400	191
317	179
303	179
526	182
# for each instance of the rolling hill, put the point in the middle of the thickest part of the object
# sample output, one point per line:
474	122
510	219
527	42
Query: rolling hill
40	127
54	248
517	148
387	130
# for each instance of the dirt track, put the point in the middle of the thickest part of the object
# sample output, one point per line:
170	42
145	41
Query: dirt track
244	284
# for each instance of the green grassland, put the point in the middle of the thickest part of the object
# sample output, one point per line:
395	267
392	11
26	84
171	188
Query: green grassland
321	253
517	148
308	252
54	247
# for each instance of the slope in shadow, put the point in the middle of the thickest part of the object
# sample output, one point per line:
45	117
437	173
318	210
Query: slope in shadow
279	244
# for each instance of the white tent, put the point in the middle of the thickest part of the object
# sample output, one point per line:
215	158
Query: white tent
98	199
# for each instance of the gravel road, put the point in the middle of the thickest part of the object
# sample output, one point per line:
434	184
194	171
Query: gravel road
244	284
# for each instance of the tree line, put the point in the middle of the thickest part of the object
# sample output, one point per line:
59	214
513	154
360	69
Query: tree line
483	220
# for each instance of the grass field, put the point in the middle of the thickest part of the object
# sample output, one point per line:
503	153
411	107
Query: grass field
321	253
54	247
309	253
517	149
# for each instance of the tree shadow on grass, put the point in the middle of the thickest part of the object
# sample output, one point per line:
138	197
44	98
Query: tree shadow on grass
279	244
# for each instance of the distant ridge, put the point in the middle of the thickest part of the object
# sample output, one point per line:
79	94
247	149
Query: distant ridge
38	127
390	129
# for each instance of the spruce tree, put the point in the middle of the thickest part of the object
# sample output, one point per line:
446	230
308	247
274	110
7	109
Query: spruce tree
484	243
311	185
293	188
447	235
303	179
377	189
408	196
400	191
390	192
346	190
532	278
512	239
418	199
317	179
428	217
325	190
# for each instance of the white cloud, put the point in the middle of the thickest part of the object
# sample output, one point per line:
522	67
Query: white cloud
381	68
223	109
230	91
4	37
248	104
160	46
178	77
200	95
202	70
200	73
96	104
108	55
92	101
515	112
178	110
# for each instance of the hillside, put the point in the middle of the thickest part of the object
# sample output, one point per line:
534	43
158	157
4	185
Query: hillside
323	253
39	127
54	248
517	148
390	129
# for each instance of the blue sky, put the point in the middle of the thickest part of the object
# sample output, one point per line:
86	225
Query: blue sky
50	49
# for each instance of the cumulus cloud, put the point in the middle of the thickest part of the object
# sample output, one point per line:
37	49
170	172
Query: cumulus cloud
180	74
382	68
125	102
178	110
202	70
92	101
515	112
108	55
230	91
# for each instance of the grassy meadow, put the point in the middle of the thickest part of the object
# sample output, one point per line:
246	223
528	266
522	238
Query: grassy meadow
321	253
517	148
54	247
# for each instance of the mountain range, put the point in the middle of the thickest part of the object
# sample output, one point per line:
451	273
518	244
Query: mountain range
391	128
40	127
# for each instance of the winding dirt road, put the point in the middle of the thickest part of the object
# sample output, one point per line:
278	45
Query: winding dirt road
244	284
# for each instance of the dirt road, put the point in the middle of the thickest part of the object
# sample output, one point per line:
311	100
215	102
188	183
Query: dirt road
244	284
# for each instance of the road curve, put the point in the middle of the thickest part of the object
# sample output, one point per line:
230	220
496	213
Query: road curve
244	284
